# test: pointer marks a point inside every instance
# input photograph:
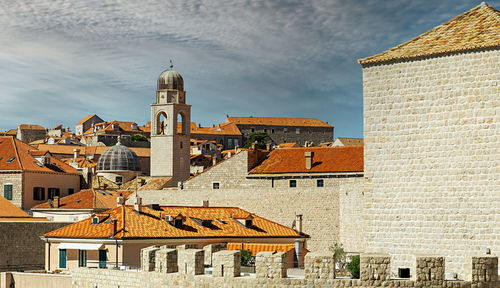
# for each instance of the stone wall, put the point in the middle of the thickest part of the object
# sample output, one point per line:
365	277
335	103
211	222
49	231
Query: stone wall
432	158
375	272
16	179
227	264
278	135
20	244
319	207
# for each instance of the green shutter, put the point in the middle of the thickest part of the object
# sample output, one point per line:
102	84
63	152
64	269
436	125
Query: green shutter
62	258
102	258
7	191
82	258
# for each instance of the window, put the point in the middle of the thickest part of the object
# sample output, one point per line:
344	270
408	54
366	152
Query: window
38	193
62	258
320	183
272	131
293	183
178	223
102	258
95	220
215	185
11	159
253	130
7	191
82	258
71	191
119	179
51	192
180	144
297	131
230	142
285	130
235	142
248	223
404	272
265	130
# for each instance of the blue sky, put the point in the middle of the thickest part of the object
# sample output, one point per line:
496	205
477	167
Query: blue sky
63	60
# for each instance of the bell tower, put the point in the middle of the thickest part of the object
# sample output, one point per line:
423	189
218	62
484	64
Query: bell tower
170	128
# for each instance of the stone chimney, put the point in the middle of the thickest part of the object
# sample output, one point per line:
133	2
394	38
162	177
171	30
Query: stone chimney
309	159
298	221
114	227
268	146
120	201
138	203
56	202
205	203
76	153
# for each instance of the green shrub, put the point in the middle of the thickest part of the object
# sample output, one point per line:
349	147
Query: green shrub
138	137
246	257
354	267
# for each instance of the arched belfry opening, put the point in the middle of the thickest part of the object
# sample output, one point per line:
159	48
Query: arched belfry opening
161	123
181	123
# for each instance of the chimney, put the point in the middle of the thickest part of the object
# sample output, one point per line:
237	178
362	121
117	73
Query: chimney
114	228
76	153
298	220
268	147
120	201
205	203
56	202
138	204
214	161
309	159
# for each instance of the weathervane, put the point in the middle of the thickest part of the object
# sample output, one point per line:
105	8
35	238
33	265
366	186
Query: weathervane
171	64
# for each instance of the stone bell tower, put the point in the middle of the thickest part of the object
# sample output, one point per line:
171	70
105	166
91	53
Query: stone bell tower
170	128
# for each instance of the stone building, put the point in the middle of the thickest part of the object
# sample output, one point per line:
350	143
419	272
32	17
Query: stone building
86	123
226	134
170	129
118	164
112	132
29	176
29	132
116	237
340	141
431	130
285	130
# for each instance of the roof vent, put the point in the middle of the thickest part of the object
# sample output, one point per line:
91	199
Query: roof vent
309	159
169	218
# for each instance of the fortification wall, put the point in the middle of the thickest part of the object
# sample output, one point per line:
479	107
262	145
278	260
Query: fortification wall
320	207
20	245
432	157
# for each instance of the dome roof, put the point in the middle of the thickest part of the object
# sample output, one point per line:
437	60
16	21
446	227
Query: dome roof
170	79
118	158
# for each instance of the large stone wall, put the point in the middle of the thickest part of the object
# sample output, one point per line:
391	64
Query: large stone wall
432	157
16	179
20	244
319	207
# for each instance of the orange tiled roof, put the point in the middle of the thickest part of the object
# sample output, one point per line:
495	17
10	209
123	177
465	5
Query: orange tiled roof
255	248
325	160
276	121
30	127
149	224
122	126
288	145
351	141
9	212
477	28
221	129
82	162
87	150
89	199
19	152
86	119
11	132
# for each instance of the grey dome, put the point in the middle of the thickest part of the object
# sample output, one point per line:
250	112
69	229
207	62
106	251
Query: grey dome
169	79
118	158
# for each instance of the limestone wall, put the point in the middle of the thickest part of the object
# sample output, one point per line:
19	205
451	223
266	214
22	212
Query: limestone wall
16	180
432	156
20	244
320	207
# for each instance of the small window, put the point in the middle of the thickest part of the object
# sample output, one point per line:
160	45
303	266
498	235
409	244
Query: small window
119	179
297	131
82	258
404	272
11	159
285	130
178	223
230	142
265	130
71	191
7	191
236	142
95	220
293	183
272	131
320	183
38	193
253	130
62	258
248	223
180	144
52	192
215	185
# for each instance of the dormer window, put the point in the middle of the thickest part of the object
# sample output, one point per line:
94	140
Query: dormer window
178	223
95	220
248	222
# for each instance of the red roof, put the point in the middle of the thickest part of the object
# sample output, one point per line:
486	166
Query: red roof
325	160
87	150
16	155
220	222
30	127
255	248
86	119
9	212
89	199
276	121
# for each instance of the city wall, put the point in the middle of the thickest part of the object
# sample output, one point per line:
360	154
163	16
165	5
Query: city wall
432	157
20	245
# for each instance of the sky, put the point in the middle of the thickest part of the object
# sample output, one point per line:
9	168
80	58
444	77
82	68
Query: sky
63	60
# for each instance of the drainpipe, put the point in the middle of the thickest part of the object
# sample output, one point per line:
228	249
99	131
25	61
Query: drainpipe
116	256
48	257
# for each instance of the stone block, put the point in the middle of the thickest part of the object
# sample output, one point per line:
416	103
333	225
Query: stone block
148	258
226	263
166	261
484	269
374	269
190	261
212	248
430	270
319	265
270	265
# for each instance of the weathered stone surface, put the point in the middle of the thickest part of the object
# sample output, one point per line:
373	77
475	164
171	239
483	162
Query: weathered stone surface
227	263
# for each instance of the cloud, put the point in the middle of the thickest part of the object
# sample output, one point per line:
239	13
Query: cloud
62	60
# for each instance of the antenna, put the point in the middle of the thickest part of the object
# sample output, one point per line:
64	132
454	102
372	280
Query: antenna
171	64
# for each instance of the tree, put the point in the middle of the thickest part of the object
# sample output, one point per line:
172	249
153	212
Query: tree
260	138
138	137
354	266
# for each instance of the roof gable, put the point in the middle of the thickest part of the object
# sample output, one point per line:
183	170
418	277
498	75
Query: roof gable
477	28
88	199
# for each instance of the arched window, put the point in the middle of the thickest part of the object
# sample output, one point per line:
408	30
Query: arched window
161	123
181	124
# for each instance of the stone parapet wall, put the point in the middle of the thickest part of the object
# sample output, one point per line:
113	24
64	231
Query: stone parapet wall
270	265
227	264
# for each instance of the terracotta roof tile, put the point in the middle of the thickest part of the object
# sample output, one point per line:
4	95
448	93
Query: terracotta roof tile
477	28
221	129
82	162
325	160
30	127
86	119
9	212
149	224
89	199
275	121
255	248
